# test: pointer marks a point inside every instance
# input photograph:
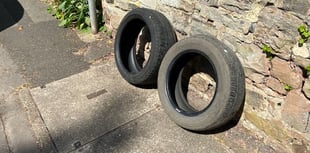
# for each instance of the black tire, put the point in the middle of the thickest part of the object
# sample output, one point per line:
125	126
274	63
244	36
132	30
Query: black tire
162	36
195	55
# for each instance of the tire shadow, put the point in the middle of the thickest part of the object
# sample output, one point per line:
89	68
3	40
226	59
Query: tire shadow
11	11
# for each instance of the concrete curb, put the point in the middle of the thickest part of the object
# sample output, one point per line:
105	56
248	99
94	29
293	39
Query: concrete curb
41	132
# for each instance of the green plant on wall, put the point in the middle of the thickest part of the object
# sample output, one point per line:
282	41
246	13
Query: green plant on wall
74	13
269	51
304	33
288	87
308	70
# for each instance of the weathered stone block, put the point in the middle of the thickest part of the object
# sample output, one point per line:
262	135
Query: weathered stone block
178	19
253	14
188	6
254	58
276	85
218	16
276	3
112	15
256	98
236	6
152	4
302	51
131	4
242	140
298	6
185	5
296	111
240	35
122	4
172	3
279	29
198	28
212	3
210	13
272	128
287	73
256	77
300	61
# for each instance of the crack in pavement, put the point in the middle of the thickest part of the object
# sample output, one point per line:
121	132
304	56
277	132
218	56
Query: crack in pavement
5	134
116	128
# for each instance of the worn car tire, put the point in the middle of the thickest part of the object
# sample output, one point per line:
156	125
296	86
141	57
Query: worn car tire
221	63
162	36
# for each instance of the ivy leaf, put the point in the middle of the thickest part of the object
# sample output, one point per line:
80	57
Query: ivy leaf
80	18
81	26
307	34
301	41
302	29
87	20
63	23
103	29
62	6
50	9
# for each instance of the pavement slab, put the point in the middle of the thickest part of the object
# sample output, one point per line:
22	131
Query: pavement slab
17	129
4	148
85	106
9	78
44	52
156	133
37	10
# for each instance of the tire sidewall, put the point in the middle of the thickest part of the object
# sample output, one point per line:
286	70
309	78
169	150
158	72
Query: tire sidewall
146	16
218	57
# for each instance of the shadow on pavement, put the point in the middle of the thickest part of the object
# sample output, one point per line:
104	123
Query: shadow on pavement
83	113
114	137
11	12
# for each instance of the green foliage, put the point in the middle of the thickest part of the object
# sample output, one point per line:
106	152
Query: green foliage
304	33
288	87
308	70
269	51
73	13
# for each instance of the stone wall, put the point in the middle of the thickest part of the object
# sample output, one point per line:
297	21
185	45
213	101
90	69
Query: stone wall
278	89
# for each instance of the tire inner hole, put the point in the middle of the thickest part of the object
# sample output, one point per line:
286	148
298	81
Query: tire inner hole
198	84
143	47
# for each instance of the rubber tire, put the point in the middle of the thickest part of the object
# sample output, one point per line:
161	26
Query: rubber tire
230	83
162	38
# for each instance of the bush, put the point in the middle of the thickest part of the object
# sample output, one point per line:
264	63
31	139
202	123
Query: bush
74	13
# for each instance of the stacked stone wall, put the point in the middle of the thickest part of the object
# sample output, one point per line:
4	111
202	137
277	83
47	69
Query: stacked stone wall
277	103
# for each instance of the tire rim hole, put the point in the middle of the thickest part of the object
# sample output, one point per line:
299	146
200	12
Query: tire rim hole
198	85
201	91
143	47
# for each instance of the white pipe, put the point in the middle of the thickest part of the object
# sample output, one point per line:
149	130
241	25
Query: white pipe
92	14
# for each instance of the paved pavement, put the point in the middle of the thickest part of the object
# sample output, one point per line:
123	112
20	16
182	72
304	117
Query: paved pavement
61	92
